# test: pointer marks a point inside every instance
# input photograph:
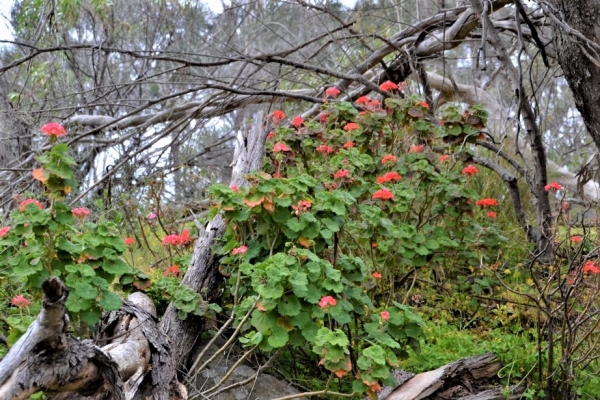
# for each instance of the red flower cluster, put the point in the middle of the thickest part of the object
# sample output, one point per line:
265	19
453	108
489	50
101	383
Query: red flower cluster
385	315
387	86
327	301
388	158
20	301
417	148
80	213
486	202
376	275
297	121
342	173
470	170
492	215
383	194
363	100
444	157
389	176
423	104
351	126
374	104
348	145
576	239
590	267
4	231
323	118
280	147
239	250
303	205
278	116
324	149
552	185
129	241
25	202
54	130
173	270
178	240
332	92
270	135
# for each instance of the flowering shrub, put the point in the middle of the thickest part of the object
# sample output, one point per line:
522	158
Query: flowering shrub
39	241
320	233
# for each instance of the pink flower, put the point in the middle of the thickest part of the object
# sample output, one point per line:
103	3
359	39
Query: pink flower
280	147
351	126
342	173
576	239
376	275
25	202
270	135
385	315
151	217
297	121
178	240
383	194
324	149
80	213
552	185
332	92
235	188
20	301
53	129
416	148
492	215
362	100
129	241
278	116
470	170
348	145
239	250
486	202
388	176
387	86
388	158
302	206
4	231
327	301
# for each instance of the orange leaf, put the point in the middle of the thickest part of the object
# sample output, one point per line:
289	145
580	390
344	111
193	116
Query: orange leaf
340	373
305	242
40	175
254	203
260	307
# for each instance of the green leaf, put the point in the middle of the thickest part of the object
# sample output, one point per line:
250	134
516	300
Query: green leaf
110	301
116	267
296	225
85	290
279	337
291	306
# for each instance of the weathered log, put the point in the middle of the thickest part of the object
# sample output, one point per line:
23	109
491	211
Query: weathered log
136	363
471	378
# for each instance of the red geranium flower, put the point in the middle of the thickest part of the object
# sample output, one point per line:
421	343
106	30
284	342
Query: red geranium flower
389	176
280	147
552	185
4	231
576	239
376	275
332	92
327	301
590	266
297	121
129	241
351	126
25	202
278	116
385	315
492	214
270	135
416	148
323	118
444	157
486	202
80	213
388	158
362	100
423	104
342	173
374	104
20	301
348	145
383	194
54	129
387	86
173	270
239	250
324	149
470	170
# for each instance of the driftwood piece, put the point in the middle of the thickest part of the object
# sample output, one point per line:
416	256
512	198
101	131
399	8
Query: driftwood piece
136	362
471	378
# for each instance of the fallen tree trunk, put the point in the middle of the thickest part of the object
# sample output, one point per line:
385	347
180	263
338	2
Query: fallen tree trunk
471	378
135	363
